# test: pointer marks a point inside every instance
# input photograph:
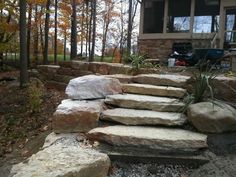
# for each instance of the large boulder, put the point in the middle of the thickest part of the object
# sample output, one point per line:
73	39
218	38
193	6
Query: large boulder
92	87
213	117
63	157
76	116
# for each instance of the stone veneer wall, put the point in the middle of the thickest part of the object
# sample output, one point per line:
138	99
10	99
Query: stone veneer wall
162	48
59	76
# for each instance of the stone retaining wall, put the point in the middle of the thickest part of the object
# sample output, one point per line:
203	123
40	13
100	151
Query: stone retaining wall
59	76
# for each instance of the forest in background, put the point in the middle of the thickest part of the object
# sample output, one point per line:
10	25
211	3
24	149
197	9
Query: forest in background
101	30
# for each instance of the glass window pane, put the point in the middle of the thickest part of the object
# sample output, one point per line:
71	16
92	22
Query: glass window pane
206	19
153	16
230	26
179	16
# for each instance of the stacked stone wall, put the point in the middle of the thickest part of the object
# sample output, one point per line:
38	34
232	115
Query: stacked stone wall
162	48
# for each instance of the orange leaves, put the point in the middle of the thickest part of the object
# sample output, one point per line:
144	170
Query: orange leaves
9	27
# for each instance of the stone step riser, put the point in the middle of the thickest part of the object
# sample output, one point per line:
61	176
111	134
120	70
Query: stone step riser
154	90
143	102
162	80
164	140
143	117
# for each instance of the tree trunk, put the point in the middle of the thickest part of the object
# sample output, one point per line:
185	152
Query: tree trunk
65	46
82	32
122	33
94	15
129	31
55	35
23	44
1	60
29	33
90	32
104	40
87	27
36	37
46	31
41	33
73	54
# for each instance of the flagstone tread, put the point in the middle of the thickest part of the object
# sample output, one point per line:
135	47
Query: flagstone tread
153	90
143	117
134	101
162	79
162	139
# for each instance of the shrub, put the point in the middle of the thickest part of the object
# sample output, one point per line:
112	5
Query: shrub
35	95
203	83
137	61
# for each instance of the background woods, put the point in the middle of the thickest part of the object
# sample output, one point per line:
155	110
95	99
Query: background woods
69	29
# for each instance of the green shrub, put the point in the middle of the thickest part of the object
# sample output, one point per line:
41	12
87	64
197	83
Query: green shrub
203	84
137	61
35	95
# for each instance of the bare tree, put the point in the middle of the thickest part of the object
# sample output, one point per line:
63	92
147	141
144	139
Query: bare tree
29	32
73	53
94	16
82	31
55	33
36	35
23	46
46	31
109	6
133	5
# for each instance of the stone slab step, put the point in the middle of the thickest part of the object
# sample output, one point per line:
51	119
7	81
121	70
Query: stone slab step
146	89
162	79
143	117
134	155
164	140
154	103
121	77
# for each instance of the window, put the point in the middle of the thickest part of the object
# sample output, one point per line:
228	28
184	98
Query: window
206	19
230	26
153	16
179	16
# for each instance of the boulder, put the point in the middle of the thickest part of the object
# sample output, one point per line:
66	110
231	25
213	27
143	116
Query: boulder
64	157
76	116
92	87
211	117
224	88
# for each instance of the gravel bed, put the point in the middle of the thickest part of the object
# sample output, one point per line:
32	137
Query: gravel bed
120	169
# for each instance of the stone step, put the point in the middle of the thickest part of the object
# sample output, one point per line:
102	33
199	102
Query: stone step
164	140
162	79
143	117
140	155
121	77
145	89
162	104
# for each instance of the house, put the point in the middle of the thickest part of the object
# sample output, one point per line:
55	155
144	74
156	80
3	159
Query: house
204	23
